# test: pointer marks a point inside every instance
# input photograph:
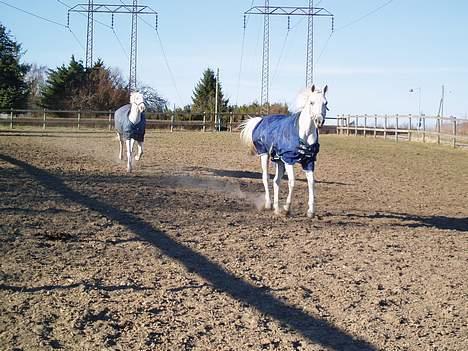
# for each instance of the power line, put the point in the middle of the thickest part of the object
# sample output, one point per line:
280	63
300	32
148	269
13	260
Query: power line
82	14
365	15
166	61
45	19
34	15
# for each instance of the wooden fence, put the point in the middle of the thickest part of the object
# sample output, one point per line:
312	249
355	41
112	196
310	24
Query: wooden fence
446	130
105	120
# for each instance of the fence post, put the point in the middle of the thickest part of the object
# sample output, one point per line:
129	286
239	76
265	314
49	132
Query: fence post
424	129
172	122
79	118
454	139
365	126
356	121
396	128
375	126
110	119
409	129
204	121
44	119
385	127
11	118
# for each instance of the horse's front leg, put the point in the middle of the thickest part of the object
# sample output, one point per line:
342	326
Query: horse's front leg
129	143
121	146
140	150
311	186
276	185
264	159
291	184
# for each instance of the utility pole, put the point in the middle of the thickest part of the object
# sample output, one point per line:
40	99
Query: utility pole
310	11
218	122
134	9
89	36
133	48
441	103
264	101
310	46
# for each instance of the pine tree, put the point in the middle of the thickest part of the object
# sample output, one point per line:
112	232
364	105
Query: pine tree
63	85
204	94
13	87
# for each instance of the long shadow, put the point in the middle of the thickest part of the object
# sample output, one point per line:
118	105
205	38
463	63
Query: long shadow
439	222
248	175
316	330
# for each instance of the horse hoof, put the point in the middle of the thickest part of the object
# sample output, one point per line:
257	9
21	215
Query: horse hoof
267	206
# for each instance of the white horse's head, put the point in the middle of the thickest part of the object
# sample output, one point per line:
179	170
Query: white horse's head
136	98
314	102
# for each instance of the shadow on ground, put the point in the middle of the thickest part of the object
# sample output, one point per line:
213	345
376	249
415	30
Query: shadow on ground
316	330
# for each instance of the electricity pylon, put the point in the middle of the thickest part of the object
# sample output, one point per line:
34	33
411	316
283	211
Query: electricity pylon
134	9
267	10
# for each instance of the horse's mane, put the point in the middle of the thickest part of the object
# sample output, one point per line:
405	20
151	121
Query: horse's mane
302	98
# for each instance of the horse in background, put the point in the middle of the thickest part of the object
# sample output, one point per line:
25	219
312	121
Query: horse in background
130	124
286	140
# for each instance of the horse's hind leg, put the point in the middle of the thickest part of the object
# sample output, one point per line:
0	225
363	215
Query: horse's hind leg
291	183
140	150
276	185
264	159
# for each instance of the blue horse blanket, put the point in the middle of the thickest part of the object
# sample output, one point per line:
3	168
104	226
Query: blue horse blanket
127	128
278	136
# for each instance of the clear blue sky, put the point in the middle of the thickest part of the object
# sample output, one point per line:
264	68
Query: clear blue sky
370	62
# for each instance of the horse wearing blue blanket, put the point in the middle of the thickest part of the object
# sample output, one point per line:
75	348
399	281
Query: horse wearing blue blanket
130	124
287	140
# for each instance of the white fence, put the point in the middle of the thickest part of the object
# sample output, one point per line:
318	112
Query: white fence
446	130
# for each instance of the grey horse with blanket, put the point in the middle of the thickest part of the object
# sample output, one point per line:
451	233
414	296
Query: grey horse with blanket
130	124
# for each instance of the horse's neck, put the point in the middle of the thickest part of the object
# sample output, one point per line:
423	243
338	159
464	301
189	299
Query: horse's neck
307	130
134	115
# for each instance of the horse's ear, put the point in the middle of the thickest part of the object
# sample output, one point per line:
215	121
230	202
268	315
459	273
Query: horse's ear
325	89
313	88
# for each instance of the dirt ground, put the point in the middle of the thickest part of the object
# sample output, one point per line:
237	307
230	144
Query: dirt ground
177	255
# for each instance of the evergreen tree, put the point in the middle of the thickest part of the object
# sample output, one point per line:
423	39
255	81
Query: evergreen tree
63	85
204	94
13	87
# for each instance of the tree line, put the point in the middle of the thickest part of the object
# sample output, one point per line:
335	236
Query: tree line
72	87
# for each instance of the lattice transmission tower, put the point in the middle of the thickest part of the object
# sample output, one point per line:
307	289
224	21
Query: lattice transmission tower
134	9
310	11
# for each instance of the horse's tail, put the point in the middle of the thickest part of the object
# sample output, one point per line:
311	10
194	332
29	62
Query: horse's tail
247	128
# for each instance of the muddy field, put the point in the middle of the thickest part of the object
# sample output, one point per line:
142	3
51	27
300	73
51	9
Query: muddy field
177	256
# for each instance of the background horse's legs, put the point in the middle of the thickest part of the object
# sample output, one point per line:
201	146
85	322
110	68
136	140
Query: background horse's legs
311	185
129	143
265	159
291	183
276	184
121	146
140	150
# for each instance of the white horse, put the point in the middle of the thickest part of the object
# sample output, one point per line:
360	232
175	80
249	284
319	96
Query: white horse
130	124
287	140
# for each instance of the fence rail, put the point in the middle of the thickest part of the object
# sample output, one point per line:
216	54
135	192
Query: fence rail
440	130
105	119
